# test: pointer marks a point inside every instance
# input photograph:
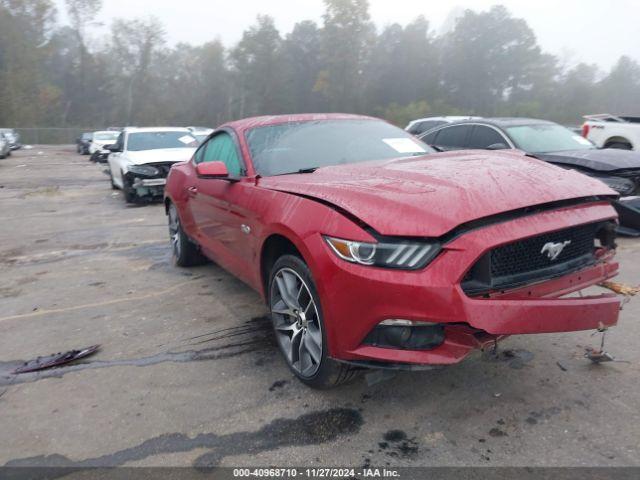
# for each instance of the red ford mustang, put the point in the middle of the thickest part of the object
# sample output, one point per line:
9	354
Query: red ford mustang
372	250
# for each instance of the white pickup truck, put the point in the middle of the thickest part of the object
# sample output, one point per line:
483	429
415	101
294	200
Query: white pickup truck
612	131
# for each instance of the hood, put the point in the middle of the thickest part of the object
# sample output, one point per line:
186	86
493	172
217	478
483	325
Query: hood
431	195
601	160
161	155
101	143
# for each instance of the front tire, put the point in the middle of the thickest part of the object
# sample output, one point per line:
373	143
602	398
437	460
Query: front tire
185	252
299	328
130	195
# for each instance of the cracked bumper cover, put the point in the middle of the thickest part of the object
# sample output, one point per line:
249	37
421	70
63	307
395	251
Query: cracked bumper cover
149	182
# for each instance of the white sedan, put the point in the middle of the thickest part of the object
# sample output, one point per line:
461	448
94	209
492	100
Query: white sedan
100	139
141	158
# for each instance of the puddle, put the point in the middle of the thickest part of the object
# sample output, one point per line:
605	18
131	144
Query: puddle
253	336
309	429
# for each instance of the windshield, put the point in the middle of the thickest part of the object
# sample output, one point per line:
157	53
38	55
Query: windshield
105	136
201	138
290	147
159	140
544	138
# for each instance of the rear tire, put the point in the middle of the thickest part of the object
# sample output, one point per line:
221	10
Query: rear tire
299	327
619	146
185	252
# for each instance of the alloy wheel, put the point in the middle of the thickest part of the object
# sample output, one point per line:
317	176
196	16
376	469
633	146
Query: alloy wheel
296	322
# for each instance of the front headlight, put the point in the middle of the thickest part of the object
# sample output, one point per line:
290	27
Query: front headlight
405	255
146	170
621	185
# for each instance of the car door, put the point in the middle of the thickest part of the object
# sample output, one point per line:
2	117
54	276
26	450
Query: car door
216	206
454	137
486	137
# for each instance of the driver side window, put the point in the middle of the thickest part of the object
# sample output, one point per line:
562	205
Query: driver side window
221	148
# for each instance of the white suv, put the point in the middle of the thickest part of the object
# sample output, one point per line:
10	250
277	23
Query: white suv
612	131
141	158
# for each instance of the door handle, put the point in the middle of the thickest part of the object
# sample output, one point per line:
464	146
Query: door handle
193	191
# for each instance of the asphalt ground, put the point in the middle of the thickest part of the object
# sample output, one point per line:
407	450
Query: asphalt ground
188	372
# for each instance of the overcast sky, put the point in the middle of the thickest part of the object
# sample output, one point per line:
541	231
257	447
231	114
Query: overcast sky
594	31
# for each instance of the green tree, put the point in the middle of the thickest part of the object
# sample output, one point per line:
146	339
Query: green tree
576	94
403	66
346	40
488	57
620	90
301	52
134	48
25	96
257	70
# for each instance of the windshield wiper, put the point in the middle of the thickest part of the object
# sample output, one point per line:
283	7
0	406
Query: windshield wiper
302	170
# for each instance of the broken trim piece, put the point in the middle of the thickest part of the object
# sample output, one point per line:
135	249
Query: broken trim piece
55	360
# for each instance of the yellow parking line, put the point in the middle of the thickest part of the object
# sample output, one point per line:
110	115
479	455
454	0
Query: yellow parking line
99	304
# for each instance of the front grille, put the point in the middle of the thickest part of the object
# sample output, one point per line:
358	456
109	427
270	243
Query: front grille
530	260
525	255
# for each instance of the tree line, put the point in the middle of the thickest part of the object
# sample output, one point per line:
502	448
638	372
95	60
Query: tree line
489	63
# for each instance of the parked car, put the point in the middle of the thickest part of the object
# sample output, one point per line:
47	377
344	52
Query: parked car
13	136
613	131
140	159
98	142
372	250
422	125
83	142
5	146
555	144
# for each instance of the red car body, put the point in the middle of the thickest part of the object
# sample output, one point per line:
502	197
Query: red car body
473	201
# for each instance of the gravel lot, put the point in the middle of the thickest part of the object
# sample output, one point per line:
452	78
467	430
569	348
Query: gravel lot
188	373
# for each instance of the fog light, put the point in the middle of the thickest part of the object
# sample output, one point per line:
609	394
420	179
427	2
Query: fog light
406	335
397	336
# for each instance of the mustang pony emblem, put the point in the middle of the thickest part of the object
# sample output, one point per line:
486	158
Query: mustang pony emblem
553	250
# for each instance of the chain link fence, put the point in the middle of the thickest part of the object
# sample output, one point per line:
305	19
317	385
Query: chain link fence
52	135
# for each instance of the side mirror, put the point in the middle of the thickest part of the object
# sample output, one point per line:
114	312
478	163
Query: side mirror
212	170
498	146
113	148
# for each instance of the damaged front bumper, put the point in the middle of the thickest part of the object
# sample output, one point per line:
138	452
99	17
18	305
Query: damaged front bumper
147	181
435	296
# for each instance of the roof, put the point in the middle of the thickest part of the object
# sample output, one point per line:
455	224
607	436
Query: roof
254	122
449	118
504	122
155	129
